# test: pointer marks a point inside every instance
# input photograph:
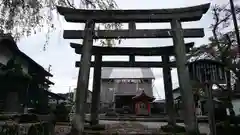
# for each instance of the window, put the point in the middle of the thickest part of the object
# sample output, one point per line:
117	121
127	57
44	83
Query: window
128	81
142	105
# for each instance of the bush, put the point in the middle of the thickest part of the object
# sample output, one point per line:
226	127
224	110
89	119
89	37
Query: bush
28	118
5	117
111	112
227	130
94	127
173	129
61	113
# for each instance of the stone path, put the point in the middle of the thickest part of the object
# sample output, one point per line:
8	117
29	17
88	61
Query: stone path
143	127
132	128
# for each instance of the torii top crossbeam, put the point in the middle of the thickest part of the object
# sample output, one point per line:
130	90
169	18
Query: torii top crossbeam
154	15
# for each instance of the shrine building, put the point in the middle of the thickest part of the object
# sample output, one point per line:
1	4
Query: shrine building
126	87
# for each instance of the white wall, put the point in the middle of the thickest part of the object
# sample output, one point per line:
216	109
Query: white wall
236	106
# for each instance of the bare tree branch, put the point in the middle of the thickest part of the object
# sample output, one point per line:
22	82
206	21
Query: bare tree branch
70	4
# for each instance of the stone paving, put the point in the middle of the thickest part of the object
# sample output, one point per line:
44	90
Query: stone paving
131	128
128	127
152	118
142	127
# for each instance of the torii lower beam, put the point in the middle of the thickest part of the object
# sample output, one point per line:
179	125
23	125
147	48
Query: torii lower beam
130	64
139	51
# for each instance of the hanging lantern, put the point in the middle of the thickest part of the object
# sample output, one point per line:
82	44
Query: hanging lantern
207	70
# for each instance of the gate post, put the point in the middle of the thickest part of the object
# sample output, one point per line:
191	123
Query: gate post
184	78
167	79
83	77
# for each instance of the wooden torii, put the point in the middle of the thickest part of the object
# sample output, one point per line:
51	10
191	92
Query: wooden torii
177	33
131	52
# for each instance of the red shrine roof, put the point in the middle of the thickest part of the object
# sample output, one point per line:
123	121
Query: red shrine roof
143	96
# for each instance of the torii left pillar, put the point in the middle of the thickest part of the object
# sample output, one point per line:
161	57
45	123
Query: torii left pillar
83	78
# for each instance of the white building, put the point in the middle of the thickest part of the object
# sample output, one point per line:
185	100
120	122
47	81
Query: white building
119	85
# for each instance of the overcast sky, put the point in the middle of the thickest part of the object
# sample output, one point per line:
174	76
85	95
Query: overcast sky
62	57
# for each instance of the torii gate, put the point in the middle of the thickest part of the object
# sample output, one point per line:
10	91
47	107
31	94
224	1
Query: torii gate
174	16
131	52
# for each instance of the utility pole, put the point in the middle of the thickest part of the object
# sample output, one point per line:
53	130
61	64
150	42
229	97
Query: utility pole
235	23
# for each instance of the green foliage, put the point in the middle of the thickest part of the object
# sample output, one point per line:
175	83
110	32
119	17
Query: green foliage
27	17
9	128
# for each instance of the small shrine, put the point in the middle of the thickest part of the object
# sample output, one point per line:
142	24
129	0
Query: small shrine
205	70
142	104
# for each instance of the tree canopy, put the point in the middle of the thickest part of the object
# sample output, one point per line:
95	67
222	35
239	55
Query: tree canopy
223	45
26	17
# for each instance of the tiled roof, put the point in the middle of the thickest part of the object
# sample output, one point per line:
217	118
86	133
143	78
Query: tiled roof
127	73
13	46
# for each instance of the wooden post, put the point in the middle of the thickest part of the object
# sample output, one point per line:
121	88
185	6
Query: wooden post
131	59
132	26
184	78
83	77
168	91
211	108
96	89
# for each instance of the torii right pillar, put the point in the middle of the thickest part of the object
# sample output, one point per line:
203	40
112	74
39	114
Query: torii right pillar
184	78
